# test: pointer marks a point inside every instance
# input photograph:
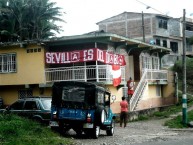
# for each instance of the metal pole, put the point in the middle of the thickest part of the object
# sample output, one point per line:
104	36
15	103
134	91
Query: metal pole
184	97
143	29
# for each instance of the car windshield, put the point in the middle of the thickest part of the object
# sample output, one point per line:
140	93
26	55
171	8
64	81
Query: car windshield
46	104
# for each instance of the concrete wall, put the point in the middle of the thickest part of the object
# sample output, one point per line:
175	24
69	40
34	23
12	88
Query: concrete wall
129	25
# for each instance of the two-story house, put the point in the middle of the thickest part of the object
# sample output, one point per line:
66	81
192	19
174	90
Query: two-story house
151	28
30	68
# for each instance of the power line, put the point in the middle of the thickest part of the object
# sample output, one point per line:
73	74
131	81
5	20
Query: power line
148	6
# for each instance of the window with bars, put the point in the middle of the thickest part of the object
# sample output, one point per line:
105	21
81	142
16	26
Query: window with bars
25	93
7	63
163	24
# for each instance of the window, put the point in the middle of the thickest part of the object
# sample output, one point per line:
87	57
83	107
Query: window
155	62
25	93
17	105
46	104
33	50
30	105
100	97
164	43
189	27
73	93
163	23
146	61
7	63
158	42
174	47
158	90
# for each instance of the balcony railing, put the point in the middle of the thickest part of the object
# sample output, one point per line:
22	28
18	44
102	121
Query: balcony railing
157	75
97	73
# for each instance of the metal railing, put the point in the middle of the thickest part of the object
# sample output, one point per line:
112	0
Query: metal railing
98	73
138	91
157	75
148	75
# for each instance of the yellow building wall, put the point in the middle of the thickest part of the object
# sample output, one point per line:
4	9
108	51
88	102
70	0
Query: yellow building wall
11	96
169	90
167	97
115	106
30	66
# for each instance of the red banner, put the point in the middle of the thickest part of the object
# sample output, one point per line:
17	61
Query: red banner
92	54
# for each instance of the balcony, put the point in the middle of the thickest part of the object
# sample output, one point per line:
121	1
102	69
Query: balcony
157	77
188	33
93	73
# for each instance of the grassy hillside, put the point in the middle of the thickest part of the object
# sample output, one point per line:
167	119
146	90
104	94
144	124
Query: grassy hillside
15	130
177	121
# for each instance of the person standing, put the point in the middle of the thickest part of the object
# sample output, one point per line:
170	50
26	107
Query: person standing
124	112
130	85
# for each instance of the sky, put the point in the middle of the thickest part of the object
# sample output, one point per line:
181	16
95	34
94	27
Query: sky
81	16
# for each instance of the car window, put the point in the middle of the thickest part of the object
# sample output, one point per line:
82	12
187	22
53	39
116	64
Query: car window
17	105
30	105
46	104
73	93
100	97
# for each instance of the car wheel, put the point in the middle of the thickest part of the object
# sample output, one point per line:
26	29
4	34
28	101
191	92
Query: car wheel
96	132
61	128
110	131
36	119
100	116
78	132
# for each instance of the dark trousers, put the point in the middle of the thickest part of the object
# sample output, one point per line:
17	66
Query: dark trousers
123	118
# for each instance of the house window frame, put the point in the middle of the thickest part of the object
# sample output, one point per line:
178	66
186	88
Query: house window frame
174	46
146	61
158	42
164	43
155	61
162	23
8	63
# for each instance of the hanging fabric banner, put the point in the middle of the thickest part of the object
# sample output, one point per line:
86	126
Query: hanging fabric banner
116	73
86	55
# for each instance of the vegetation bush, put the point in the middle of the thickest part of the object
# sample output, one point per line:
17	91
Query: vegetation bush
20	131
189	73
177	121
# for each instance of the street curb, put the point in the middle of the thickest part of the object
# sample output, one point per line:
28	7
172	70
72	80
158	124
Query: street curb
188	129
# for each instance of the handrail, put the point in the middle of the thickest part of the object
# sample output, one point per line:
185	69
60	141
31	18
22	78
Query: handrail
138	91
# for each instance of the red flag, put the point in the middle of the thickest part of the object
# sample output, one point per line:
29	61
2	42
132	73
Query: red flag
116	72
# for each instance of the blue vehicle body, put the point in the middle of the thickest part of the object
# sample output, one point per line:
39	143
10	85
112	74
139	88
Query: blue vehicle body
82	106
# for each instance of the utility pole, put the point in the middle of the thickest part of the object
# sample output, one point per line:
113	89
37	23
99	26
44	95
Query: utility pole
143	28
184	96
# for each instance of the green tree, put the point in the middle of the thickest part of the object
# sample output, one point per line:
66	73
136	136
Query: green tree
189	72
190	40
28	19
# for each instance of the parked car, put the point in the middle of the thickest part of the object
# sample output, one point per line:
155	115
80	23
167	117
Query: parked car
36	108
83	107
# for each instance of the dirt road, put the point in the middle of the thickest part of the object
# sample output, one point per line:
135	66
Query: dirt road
135	133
